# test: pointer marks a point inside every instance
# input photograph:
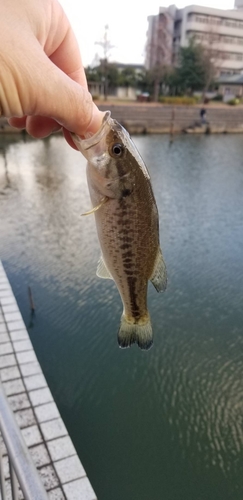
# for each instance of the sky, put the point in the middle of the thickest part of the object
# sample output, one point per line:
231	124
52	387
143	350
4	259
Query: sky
127	22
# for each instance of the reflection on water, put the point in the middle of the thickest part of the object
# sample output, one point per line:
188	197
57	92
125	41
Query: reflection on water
163	424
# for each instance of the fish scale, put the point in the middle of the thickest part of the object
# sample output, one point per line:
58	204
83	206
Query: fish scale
127	225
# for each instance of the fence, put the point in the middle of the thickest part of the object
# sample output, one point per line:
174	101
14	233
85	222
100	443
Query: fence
22	469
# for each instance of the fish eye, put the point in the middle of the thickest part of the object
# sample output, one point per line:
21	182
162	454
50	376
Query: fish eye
117	149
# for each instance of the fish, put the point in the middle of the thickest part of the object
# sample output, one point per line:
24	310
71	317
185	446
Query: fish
127	223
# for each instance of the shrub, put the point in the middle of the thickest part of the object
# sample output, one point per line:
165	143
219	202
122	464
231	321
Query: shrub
184	100
233	102
217	97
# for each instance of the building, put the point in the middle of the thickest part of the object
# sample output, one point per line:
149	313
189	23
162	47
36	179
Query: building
160	36
230	87
219	30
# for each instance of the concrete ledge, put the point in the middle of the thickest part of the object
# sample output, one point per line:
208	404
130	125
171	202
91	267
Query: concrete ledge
134	127
154	118
36	413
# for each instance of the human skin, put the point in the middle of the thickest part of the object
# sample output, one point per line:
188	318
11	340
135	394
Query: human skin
42	80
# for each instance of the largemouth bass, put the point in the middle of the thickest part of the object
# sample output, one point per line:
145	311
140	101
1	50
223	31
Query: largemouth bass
127	224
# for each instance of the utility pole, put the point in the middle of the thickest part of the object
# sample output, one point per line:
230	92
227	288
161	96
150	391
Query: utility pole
106	45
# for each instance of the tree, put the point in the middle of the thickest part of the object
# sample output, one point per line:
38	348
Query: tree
190	72
156	75
159	77
196	69
209	68
105	73
112	75
211	55
92	74
128	78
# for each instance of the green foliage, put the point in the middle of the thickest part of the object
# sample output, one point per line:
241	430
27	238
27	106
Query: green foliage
178	100
92	74
112	75
217	97
104	70
191	73
233	102
127	77
158	78
195	72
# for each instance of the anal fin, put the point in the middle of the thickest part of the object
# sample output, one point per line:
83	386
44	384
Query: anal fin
102	271
159	277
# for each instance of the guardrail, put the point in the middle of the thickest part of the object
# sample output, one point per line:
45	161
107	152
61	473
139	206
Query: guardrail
22	469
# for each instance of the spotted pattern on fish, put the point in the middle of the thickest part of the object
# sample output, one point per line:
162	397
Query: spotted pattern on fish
122	231
127	225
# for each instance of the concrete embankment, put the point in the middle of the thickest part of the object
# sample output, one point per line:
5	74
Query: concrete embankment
153	118
160	119
35	411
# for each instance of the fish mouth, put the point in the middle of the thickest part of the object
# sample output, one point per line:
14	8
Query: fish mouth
87	143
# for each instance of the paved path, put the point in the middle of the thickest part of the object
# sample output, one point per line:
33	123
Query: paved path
35	410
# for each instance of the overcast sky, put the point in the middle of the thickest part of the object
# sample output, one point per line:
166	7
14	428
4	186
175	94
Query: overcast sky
127	21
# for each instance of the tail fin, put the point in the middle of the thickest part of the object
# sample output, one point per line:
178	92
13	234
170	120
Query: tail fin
132	333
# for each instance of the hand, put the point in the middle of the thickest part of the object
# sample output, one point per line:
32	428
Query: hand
42	81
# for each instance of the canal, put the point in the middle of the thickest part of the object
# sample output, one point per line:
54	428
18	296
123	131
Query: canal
166	424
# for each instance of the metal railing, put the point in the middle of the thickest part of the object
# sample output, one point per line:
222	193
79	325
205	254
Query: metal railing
21	467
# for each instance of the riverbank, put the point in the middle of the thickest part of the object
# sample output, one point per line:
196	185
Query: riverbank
153	118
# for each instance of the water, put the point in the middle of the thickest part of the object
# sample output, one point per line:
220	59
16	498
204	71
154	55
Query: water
160	425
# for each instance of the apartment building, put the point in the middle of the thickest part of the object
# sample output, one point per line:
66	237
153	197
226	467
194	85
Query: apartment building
219	30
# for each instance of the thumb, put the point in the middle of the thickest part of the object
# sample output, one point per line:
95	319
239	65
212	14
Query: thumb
65	101
41	89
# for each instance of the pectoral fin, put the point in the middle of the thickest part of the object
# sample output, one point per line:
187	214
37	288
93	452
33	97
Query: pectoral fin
159	277
102	271
103	201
